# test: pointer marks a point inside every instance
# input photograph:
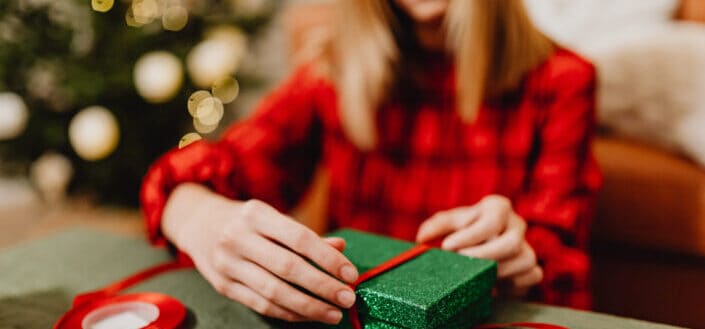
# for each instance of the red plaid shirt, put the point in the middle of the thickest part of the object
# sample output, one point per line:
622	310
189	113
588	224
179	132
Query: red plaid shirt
533	147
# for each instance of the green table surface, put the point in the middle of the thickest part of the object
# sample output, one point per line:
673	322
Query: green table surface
39	279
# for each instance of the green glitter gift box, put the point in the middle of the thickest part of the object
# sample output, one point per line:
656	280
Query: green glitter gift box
437	289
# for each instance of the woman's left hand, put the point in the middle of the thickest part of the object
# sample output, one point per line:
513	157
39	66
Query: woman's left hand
489	229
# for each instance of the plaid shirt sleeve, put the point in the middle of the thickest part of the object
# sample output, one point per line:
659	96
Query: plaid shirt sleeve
269	156
560	199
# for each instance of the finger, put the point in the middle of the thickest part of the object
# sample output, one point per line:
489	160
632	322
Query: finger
529	278
280	293
523	262
247	296
301	240
488	224
445	222
503	247
292	268
259	304
335	242
507	245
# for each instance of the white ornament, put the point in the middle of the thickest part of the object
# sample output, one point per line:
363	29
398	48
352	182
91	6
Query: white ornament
158	76
94	133
13	115
218	56
51	174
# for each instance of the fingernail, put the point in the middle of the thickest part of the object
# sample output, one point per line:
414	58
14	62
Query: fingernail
333	316
349	273
346	298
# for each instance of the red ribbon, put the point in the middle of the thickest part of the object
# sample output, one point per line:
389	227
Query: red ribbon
114	288
171	311
408	255
381	268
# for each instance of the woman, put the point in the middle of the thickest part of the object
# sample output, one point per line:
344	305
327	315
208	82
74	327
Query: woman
434	119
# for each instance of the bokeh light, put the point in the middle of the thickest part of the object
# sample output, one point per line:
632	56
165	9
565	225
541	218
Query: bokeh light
209	111
218	55
175	18
102	5
145	11
202	128
188	139
94	133
13	115
195	99
158	76
226	89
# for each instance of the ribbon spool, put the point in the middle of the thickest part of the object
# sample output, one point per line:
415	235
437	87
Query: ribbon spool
107	309
131	311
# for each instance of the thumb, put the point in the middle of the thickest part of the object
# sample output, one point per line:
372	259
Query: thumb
445	222
439	225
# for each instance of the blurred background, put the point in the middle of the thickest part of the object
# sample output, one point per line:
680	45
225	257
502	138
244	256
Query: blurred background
91	92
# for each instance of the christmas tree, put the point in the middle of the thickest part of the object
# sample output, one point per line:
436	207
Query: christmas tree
92	92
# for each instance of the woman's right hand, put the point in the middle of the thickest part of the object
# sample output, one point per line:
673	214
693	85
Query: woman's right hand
251	253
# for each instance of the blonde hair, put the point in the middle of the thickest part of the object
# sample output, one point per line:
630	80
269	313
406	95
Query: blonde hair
493	42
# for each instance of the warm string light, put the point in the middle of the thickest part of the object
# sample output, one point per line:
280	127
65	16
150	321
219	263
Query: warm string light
145	11
51	174
175	18
94	133
173	13
207	108
158	76
102	5
219	55
209	111
226	89
195	99
188	139
14	115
